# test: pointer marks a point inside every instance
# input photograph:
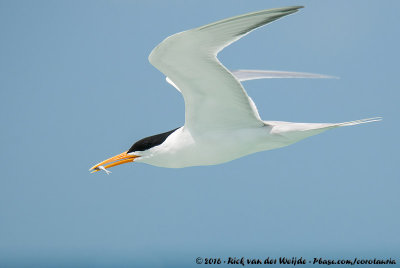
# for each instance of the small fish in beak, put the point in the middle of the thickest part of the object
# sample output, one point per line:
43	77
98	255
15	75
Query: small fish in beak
103	168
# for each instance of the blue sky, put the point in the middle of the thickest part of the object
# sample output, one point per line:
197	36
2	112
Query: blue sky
76	88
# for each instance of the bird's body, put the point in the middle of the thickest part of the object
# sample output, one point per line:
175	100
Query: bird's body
184	148
221	121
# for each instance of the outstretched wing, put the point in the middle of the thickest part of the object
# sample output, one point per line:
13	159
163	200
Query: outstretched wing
246	75
214	98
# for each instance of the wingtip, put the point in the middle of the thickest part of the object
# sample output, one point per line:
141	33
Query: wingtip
294	8
297	7
290	10
285	10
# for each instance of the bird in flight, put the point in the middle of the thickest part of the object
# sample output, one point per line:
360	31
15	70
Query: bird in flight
221	121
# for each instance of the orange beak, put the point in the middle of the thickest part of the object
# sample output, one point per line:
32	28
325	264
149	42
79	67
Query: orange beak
114	161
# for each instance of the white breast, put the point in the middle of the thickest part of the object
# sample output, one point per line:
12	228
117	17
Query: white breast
182	149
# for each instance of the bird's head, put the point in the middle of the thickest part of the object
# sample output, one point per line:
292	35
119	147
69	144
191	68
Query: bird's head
134	152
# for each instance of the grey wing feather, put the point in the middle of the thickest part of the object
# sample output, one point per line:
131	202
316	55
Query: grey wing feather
245	75
214	98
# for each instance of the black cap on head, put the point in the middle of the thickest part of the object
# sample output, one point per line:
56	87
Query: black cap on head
149	142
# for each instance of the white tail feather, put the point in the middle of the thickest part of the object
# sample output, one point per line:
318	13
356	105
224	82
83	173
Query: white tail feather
357	122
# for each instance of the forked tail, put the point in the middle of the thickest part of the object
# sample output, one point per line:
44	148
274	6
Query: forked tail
357	122
304	130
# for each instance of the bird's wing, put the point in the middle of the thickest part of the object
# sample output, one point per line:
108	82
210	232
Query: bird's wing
214	98
246	75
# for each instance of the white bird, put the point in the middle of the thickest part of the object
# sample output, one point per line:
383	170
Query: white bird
221	121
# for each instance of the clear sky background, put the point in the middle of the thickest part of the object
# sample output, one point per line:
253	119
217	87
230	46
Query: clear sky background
76	88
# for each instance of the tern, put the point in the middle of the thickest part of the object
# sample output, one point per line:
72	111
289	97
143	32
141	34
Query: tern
221	121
